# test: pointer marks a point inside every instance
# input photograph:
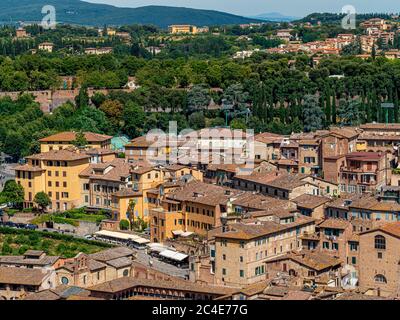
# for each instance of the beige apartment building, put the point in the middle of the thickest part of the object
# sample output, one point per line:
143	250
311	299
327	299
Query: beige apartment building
379	259
56	173
241	249
64	140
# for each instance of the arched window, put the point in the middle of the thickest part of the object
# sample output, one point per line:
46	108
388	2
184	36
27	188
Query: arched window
380	242
64	280
380	278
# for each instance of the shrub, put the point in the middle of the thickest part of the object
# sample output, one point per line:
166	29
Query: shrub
124	224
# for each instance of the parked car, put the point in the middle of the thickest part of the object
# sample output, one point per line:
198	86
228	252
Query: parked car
31	226
88	237
10	224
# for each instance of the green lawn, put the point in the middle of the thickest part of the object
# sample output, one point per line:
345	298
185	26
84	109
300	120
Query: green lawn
17	241
71	217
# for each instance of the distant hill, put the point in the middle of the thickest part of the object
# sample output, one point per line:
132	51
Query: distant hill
336	18
275	17
84	13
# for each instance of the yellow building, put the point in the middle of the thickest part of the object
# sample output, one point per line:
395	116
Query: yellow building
154	148
56	173
143	180
194	207
111	32
64	140
182	28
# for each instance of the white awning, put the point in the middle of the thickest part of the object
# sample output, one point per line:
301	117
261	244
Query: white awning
177	232
186	234
177	256
141	240
157	247
117	235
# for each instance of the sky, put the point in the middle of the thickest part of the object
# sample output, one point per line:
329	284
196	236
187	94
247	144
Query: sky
298	8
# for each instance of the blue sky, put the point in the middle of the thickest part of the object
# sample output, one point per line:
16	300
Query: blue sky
252	7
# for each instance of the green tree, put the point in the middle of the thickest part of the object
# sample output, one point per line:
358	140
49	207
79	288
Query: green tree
42	200
197	120
312	114
80	140
198	98
82	99
349	112
134	119
124	224
13	193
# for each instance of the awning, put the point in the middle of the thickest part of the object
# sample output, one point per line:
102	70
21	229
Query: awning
177	256
186	234
177	232
157	247
141	240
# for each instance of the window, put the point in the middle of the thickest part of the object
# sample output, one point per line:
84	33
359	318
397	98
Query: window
380	278
380	242
241	273
223	257
335	246
126	273
223	271
241	259
325	245
64	280
353	260
380	255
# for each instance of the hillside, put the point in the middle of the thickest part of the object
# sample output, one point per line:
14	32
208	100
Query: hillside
336	18
79	12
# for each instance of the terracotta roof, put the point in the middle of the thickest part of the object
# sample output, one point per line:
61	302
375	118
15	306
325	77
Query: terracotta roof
59	293
120	262
60	155
392	228
153	140
380	126
278	211
248	231
111	254
334	224
127	192
200	192
28	167
69	136
309	201
346	132
22	276
115	170
288	181
359	296
365	156
315	260
22	260
267	137
258	201
261	177
125	283
99	151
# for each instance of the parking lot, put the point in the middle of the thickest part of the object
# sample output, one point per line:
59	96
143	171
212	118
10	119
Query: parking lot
6	173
